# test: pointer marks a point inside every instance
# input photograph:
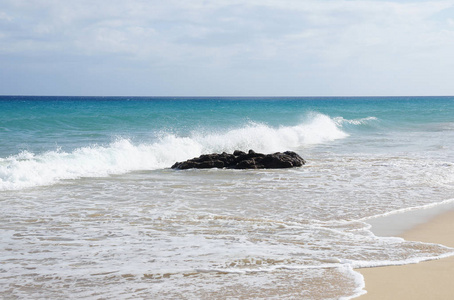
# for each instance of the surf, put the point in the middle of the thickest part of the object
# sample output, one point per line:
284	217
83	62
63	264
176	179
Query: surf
27	169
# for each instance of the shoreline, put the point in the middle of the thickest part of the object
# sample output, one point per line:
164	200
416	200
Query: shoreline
425	280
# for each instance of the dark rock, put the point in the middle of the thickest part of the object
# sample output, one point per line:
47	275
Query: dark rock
242	160
248	164
238	153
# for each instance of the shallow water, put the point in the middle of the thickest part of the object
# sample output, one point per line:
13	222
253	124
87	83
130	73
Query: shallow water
90	209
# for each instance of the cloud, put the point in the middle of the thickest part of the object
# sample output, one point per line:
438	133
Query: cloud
229	47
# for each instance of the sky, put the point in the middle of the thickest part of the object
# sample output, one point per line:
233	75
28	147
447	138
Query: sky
226	47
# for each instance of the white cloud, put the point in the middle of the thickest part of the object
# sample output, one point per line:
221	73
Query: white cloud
269	43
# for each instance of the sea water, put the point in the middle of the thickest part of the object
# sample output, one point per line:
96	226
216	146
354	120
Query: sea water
89	207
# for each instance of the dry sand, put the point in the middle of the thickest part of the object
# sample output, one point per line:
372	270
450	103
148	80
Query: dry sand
426	280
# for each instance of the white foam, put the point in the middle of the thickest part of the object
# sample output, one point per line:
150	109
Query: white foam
409	209
411	260
121	156
260	137
360	283
28	169
362	121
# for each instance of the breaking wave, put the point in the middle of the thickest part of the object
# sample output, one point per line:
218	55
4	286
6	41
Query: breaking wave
28	169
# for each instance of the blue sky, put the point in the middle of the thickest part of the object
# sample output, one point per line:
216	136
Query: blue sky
226	48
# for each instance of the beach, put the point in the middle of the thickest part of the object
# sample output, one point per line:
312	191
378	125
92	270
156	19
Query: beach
90	207
425	280
226	150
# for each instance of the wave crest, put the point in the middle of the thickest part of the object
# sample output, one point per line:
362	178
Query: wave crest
260	137
121	156
362	121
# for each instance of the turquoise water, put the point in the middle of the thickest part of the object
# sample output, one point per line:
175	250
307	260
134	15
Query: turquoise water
40	123
90	208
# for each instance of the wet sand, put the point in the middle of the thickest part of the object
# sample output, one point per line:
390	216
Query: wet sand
425	280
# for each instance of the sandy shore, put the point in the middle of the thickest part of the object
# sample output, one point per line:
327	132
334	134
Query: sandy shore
426	280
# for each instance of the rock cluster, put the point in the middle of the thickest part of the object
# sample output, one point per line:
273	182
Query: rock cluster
242	160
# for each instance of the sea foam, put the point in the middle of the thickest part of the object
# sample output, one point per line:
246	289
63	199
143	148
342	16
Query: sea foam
28	169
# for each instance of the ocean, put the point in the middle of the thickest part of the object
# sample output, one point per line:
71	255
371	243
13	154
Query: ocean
90	209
